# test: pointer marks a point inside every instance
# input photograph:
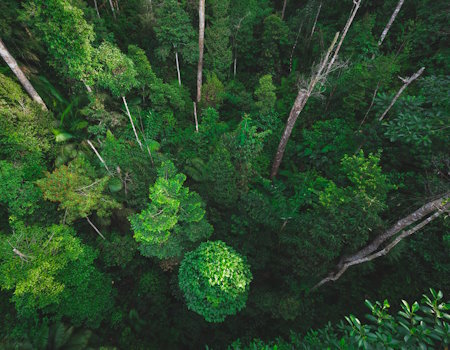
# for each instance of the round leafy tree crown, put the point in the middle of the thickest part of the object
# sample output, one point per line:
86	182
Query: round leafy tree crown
215	280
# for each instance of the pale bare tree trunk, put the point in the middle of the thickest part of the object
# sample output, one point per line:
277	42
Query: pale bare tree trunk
201	44
283	10
406	82
12	63
356	4
195	117
315	21
391	20
112	8
178	67
372	251
238	26
299	104
98	156
131	120
96	8
94	227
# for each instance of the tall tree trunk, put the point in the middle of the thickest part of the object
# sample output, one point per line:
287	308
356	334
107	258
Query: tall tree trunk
112	8
96	8
234	66
299	104
201	44
373	251
99	156
12	63
178	67
356	4
315	21
391	20
195	117
132	123
406	82
283	10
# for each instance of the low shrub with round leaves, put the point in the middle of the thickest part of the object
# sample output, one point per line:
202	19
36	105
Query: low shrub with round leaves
215	280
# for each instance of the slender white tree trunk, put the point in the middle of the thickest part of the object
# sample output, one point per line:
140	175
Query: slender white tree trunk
94	227
12	63
356	4
201	43
112	8
131	120
234	66
195	117
98	156
406	82
315	21
178	67
391	20
283	10
96	8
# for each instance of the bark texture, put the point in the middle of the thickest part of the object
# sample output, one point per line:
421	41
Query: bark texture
299	104
406	82
201	45
12	63
409	225
391	20
356	4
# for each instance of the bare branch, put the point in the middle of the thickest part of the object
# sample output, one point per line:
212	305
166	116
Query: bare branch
391	20
371	252
406	82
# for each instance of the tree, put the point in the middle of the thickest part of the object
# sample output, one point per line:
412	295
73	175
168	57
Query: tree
265	95
77	190
51	271
67	36
11	62
215	280
380	246
201	44
173	221
118	75
321	74
174	32
391	20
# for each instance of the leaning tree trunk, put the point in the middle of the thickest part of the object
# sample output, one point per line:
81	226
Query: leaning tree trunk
132	123
178	67
356	4
391	20
201	44
96	8
283	10
12	63
409	225
112	8
299	104
315	20
406	82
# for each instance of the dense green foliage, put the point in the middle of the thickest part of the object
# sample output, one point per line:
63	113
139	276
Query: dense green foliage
129	222
416	326
215	281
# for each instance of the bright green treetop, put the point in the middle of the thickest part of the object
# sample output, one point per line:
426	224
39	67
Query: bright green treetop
118	74
215	280
265	94
78	192
174	31
66	34
174	219
50	270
